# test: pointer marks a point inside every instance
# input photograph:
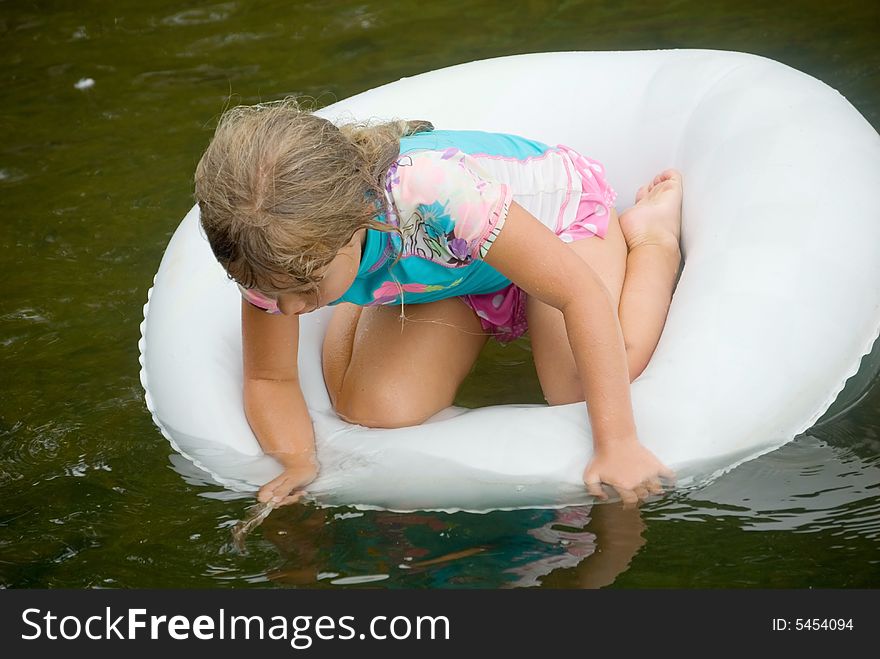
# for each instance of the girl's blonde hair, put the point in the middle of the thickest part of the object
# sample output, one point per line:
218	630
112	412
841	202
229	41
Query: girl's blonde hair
282	190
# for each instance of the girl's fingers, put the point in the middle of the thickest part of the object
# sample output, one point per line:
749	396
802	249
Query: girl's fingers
654	486
282	494
594	487
293	498
277	489
286	498
629	498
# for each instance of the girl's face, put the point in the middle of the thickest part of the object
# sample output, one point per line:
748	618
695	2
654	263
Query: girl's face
338	277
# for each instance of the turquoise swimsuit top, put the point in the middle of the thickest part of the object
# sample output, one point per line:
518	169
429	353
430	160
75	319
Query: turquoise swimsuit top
449	210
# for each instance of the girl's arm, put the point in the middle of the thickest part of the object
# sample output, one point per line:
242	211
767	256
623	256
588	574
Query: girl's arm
532	257
273	400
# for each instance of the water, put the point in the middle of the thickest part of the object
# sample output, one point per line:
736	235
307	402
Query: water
95	176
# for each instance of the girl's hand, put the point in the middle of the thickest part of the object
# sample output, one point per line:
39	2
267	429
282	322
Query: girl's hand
288	487
629	468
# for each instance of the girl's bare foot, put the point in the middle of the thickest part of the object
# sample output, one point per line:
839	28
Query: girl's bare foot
656	217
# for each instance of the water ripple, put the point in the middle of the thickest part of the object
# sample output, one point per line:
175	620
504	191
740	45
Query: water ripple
212	14
806	486
219	41
12	175
203	73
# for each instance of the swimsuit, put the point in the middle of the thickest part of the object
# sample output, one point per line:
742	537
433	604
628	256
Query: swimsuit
449	193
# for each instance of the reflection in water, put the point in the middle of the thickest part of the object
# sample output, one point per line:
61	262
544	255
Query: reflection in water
589	547
809	486
821	487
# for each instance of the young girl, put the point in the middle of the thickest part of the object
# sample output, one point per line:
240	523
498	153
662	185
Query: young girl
429	242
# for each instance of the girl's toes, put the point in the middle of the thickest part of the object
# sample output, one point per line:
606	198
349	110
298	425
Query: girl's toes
663	176
671	174
641	193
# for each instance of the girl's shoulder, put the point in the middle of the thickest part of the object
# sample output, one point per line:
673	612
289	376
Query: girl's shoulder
474	143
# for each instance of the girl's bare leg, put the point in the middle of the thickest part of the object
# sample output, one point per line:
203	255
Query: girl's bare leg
385	372
551	351
652	229
638	261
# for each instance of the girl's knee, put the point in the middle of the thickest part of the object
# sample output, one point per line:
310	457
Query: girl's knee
384	383
382	405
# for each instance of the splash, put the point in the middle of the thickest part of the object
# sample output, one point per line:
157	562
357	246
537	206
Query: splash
257	513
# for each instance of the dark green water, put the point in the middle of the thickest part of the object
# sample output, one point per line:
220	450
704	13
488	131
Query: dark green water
94	181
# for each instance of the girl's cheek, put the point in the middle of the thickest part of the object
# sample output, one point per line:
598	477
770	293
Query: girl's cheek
289	304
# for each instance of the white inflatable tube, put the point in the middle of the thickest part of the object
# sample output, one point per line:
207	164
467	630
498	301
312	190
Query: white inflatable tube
778	302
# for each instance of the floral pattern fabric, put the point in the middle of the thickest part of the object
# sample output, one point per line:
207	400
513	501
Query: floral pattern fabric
448	195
